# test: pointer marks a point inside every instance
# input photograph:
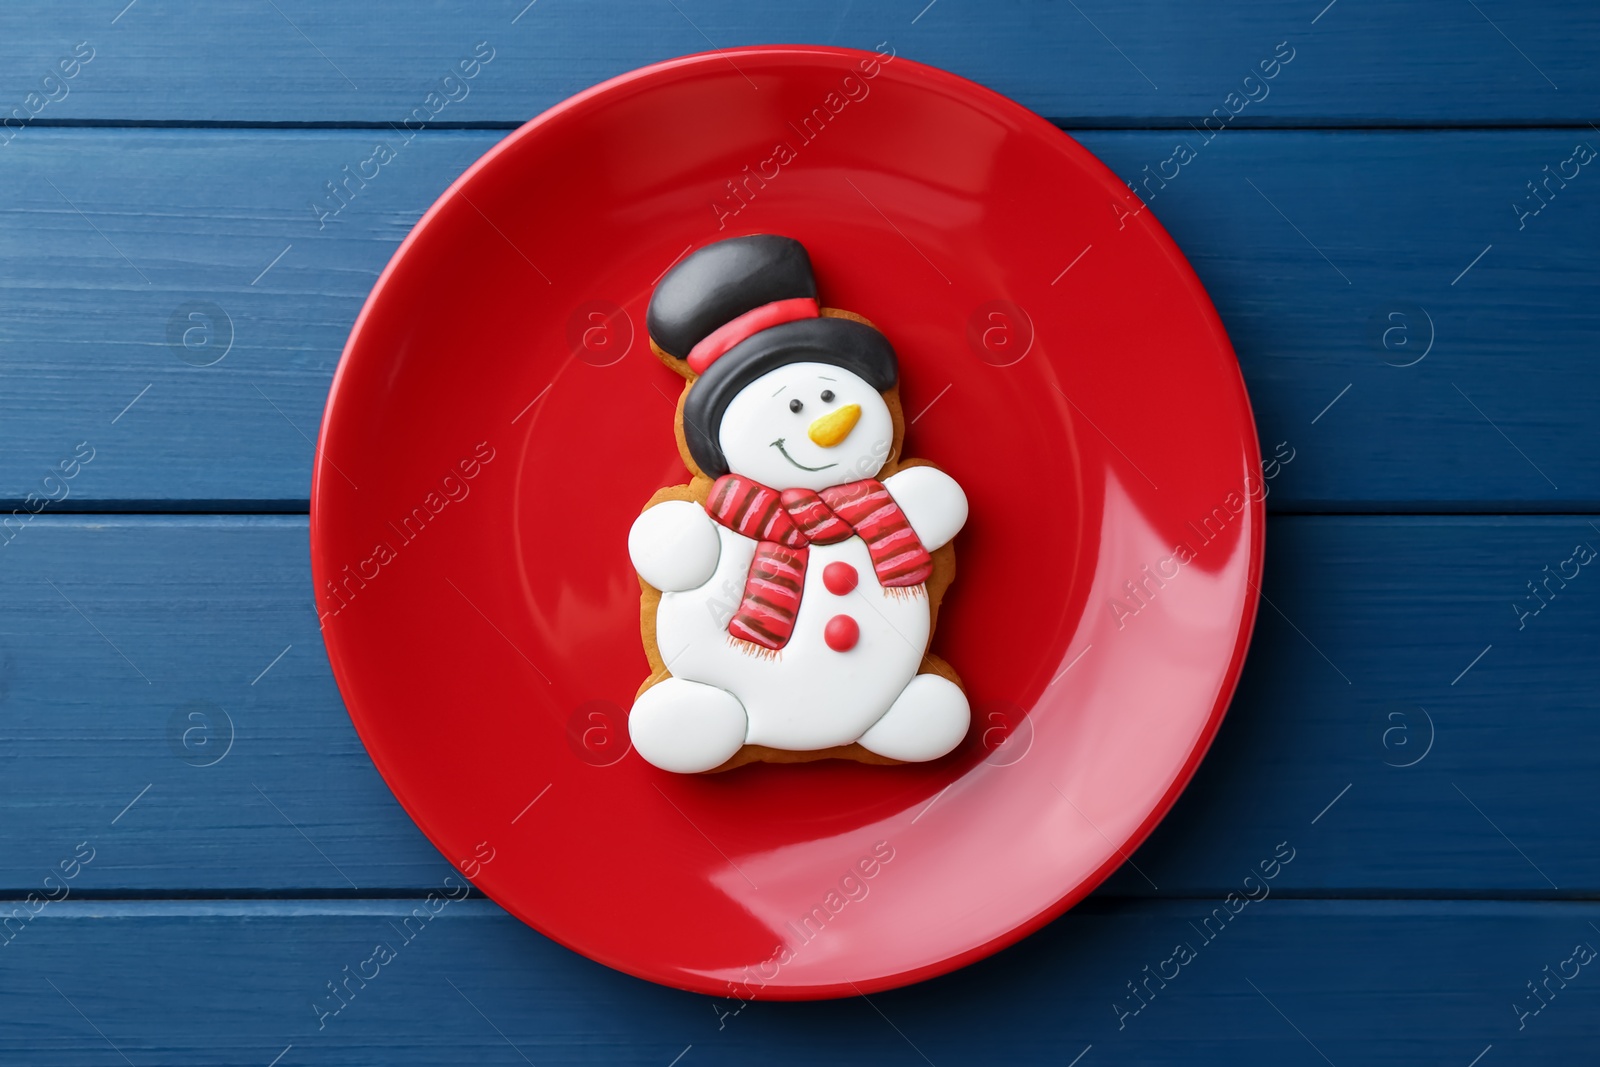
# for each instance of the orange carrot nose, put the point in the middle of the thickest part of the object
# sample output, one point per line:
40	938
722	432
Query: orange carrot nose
835	426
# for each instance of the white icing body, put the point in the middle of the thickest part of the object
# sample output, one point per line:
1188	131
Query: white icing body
805	696
674	545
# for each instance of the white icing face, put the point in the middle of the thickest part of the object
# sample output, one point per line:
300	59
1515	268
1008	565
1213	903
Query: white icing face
806	426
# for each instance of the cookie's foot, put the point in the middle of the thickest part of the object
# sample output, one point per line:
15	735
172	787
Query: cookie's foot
687	727
928	719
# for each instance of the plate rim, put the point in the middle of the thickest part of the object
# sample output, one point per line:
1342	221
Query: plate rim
983	98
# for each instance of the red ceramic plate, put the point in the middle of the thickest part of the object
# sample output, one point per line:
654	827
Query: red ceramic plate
498	421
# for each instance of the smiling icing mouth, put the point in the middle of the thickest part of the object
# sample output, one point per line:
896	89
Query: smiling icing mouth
778	444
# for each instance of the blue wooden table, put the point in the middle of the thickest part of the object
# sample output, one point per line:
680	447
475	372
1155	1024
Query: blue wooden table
1399	229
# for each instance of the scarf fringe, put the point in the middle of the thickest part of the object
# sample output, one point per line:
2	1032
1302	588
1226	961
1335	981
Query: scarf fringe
784	524
750	648
906	592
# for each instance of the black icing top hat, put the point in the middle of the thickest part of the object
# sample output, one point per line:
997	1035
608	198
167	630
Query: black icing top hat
737	309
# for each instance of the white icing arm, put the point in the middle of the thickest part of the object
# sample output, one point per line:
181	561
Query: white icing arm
674	545
932	501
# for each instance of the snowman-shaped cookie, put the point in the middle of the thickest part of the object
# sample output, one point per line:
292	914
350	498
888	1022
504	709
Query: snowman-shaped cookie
790	589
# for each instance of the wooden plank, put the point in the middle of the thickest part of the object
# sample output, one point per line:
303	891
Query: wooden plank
185	702
175	262
1318	248
1282	982
1376	708
1374	652
296	61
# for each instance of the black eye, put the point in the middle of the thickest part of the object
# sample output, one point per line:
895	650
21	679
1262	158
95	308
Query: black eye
827	396
795	405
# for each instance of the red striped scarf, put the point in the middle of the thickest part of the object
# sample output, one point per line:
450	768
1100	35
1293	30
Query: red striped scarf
786	523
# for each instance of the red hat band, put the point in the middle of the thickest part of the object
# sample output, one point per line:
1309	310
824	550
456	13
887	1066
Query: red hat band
724	337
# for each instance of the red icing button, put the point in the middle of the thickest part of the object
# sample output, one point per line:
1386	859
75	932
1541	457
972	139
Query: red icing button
841	633
840	578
